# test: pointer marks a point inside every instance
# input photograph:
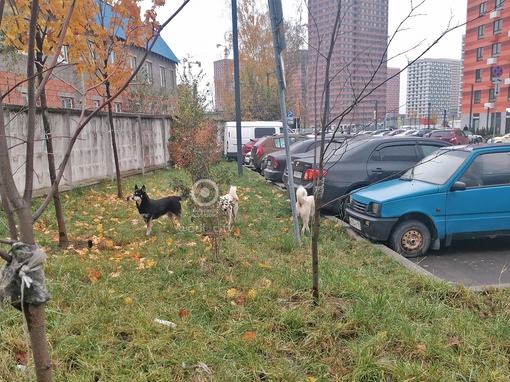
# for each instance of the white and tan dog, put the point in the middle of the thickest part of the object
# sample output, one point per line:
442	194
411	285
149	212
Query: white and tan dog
305	206
229	204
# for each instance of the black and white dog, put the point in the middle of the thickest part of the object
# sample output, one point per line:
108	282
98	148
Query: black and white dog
154	208
229	204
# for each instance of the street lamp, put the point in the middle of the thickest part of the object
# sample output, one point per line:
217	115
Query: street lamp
428	118
471	107
225	50
489	105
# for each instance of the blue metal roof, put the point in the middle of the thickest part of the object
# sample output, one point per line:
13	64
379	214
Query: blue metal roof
160	47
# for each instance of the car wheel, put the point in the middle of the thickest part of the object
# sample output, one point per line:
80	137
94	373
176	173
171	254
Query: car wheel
341	214
410	239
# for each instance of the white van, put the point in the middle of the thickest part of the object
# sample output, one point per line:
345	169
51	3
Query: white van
249	130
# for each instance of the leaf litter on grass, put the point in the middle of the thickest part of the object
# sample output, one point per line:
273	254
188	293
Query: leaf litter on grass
250	313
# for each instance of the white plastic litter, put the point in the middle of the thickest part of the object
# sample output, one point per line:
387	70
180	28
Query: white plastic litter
165	322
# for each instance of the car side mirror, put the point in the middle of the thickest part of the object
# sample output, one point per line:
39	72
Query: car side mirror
458	186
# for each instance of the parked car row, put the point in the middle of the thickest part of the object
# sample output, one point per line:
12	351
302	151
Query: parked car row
359	162
409	192
458	192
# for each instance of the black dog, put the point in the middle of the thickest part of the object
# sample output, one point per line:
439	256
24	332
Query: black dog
154	208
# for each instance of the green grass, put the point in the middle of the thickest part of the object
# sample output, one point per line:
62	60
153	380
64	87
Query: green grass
248	316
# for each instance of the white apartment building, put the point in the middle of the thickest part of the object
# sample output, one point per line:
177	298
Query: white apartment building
433	91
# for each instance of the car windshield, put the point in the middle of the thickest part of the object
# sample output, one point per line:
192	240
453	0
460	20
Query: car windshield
438	167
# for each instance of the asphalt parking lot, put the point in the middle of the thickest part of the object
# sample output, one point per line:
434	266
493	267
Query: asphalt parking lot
477	264
474	263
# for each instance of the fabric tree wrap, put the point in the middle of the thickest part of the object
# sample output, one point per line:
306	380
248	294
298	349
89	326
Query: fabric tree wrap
23	277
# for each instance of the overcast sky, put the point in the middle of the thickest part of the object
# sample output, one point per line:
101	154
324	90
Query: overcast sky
202	24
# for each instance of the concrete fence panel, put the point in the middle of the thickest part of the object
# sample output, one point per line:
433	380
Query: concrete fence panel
141	146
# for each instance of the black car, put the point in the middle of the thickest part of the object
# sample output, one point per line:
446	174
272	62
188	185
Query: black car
276	163
360	162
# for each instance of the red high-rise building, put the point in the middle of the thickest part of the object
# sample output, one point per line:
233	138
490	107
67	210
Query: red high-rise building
392	97
486	87
358	62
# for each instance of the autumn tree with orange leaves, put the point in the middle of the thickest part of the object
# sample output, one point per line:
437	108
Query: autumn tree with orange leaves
62	24
48	31
258	81
106	57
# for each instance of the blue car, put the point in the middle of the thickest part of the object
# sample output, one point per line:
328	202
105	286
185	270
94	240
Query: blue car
458	192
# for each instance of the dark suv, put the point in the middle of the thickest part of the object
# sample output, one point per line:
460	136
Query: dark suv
360	162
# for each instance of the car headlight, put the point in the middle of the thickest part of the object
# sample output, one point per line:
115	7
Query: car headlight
374	208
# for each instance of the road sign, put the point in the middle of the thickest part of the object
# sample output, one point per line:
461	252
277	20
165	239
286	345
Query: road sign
497	80
290	114
497	71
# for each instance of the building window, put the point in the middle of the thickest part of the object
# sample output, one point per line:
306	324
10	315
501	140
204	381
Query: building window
499	4
112	57
481	32
479	54
117	107
67	102
498	26
64	54
496	49
172	76
162	76
24	97
148	72
132	62
483	8
478	96
478	75
492	95
96	103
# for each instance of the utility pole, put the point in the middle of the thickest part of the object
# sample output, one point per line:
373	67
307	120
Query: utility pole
428	118
237	89
276	13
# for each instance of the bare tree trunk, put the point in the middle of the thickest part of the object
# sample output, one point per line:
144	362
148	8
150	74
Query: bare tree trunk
114	144
63	240
24	207
34	315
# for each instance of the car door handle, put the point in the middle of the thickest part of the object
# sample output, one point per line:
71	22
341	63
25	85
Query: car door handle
378	170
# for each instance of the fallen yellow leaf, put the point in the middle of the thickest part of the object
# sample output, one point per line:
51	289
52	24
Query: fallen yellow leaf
249	336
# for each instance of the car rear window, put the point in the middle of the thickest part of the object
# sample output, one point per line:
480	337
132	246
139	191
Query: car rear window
261	131
441	134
